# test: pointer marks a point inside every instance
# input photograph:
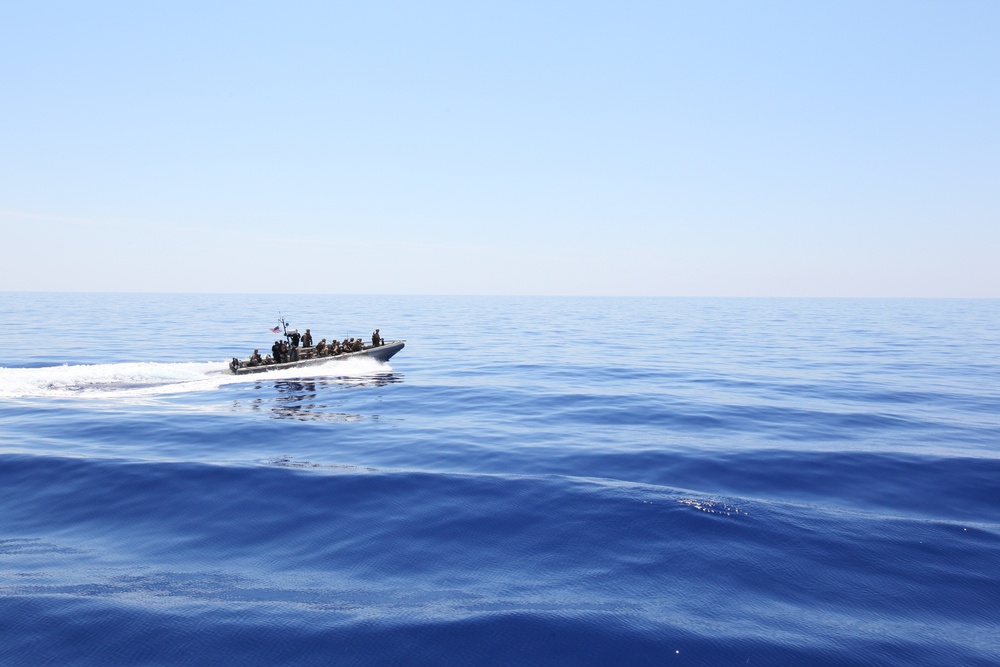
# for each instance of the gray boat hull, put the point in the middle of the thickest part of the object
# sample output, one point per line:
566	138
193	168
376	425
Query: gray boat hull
381	353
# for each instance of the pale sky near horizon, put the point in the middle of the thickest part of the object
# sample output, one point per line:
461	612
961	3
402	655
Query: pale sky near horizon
565	148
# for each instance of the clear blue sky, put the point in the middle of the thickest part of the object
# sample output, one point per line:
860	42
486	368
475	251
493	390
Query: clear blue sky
626	148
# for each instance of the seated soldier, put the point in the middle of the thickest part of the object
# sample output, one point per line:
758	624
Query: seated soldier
321	348
255	359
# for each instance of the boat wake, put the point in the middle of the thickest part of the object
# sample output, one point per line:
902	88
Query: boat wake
156	378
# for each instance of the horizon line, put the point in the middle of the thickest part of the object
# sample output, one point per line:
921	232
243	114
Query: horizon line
496	295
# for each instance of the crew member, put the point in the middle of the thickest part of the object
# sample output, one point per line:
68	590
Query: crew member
307	339
376	340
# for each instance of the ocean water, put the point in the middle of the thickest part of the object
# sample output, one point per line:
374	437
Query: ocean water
531	481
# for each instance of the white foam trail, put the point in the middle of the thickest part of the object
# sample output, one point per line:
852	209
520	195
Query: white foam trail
154	378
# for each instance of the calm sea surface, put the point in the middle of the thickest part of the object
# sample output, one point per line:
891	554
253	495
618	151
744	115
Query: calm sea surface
531	481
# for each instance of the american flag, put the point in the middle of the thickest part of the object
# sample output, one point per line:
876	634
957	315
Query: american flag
275	329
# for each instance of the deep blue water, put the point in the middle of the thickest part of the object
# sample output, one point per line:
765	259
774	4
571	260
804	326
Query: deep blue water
557	481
